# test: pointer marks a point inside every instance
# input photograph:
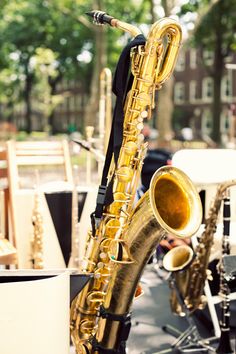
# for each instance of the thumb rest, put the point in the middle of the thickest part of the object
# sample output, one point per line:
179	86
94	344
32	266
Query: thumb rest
125	237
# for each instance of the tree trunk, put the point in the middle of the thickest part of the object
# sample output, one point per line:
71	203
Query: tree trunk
165	111
217	77
53	86
27	96
91	109
165	105
216	107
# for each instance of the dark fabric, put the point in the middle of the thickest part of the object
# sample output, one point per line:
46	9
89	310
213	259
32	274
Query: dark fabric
125	326
59	204
154	159
121	84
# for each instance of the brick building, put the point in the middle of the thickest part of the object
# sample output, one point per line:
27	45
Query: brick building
193	93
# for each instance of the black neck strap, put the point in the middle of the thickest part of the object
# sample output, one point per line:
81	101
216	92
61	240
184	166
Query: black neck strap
121	85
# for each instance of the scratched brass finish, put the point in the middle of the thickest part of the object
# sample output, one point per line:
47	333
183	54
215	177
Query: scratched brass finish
147	227
112	247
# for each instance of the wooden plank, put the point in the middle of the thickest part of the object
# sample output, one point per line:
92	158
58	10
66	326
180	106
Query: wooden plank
38	145
40	152
39	160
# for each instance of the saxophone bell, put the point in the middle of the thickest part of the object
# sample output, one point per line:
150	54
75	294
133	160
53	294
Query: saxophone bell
176	261
178	258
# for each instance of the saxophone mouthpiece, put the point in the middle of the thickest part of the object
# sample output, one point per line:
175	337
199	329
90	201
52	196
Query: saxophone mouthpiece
100	17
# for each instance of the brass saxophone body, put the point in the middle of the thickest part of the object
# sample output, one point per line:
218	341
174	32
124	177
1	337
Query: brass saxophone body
126	237
190	277
171	205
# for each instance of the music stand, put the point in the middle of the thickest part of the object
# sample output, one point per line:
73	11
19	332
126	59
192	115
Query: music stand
77	280
35	305
190	340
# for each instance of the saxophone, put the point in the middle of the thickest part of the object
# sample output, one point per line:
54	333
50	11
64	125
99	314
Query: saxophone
75	228
37	241
190	272
105	107
126	236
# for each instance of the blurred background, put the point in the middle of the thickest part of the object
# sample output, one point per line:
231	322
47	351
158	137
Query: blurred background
52	56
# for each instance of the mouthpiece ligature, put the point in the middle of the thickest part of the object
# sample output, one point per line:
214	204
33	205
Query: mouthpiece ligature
100	17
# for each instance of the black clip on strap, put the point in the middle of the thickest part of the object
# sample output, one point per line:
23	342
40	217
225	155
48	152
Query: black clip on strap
125	321
96	216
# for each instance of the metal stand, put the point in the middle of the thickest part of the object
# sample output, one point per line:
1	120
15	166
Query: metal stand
190	340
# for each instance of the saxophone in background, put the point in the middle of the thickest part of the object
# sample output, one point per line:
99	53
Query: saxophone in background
75	226
105	108
125	237
37	241
105	114
190	272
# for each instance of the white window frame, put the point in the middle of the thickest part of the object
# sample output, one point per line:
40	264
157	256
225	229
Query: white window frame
208	57
207	123
224	118
193	58
179	92
193	91
207	89
226	86
180	64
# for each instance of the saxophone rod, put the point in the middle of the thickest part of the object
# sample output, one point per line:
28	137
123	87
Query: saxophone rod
101	18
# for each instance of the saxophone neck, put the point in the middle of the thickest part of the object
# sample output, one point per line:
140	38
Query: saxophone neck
101	18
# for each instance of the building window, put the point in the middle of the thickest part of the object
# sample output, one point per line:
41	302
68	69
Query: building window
207	89
206	122
224	121
226	88
179	93
193	58
192	91
180	65
208	57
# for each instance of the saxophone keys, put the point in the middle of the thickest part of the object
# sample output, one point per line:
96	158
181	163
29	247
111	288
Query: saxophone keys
101	276
144	97
112	226
85	328
140	138
130	148
95	298
119	252
203	302
140	126
209	275
124	174
144	114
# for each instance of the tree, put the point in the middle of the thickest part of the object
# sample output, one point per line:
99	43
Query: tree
164	97
81	48
26	25
107	47
214	31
